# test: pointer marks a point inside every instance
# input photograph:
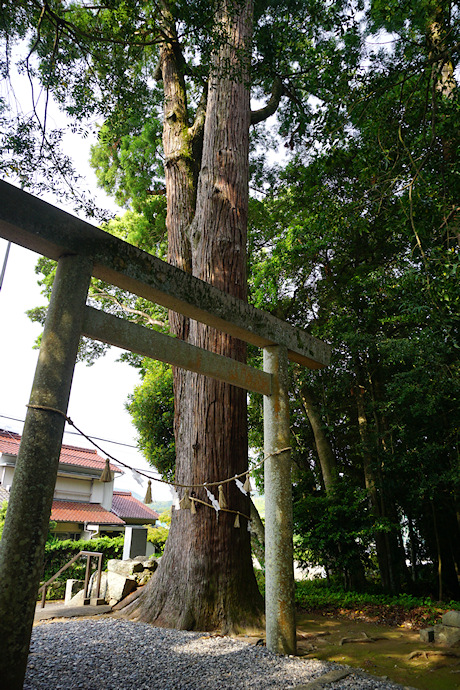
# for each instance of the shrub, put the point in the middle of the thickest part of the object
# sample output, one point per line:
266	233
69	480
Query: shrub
157	535
315	594
3	508
58	553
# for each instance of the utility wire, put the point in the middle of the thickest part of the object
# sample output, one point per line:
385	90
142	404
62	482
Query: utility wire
75	433
175	485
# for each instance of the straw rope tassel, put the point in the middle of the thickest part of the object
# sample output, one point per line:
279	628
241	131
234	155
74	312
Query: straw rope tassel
185	502
192	507
247	484
222	501
148	493
106	475
237	521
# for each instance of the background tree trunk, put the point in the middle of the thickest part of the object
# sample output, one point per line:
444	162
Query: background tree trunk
354	576
323	447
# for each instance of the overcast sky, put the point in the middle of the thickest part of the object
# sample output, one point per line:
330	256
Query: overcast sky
98	392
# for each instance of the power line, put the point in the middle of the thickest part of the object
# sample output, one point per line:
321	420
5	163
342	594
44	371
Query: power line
75	433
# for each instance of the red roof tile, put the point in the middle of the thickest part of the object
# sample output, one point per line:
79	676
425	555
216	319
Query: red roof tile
129	508
70	455
72	511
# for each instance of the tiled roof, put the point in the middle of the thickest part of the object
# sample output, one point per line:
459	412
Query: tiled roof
9	442
129	508
72	511
70	455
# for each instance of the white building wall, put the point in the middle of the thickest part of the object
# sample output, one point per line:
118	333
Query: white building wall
6	476
102	492
70	489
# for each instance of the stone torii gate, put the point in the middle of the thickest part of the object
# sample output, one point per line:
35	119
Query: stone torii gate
82	251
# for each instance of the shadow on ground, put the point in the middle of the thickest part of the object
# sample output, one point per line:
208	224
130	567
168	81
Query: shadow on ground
394	652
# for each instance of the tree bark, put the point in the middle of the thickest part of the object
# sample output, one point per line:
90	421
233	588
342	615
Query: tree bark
206	580
323	447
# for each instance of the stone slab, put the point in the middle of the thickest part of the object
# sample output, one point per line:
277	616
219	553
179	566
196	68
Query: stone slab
60	611
78	599
144	341
120	567
446	634
119	587
72	587
127	600
451	618
427	635
441	634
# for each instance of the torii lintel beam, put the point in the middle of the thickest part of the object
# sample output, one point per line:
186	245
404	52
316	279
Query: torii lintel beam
41	227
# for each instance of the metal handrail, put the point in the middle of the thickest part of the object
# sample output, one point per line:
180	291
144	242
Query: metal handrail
88	555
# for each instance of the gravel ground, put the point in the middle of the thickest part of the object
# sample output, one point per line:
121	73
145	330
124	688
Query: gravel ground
111	654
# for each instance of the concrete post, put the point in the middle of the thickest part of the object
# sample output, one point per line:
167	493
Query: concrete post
27	519
135	541
279	567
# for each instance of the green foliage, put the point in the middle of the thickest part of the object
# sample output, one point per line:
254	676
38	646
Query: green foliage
322	595
58	553
163	508
260	577
354	237
158	535
128	165
151	408
358	242
319	594
3	509
332	530
144	231
165	517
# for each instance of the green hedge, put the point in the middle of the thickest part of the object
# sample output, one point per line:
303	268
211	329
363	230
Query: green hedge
321	594
318	594
58	553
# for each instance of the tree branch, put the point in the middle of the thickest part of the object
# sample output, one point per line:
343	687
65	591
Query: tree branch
130	310
272	105
196	129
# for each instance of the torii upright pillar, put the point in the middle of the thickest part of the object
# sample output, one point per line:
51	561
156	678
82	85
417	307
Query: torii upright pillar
29	508
279	566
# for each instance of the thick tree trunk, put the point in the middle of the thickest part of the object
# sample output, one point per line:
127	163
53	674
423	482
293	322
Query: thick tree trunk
206	580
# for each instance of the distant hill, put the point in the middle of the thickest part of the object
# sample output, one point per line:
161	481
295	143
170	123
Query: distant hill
161	506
